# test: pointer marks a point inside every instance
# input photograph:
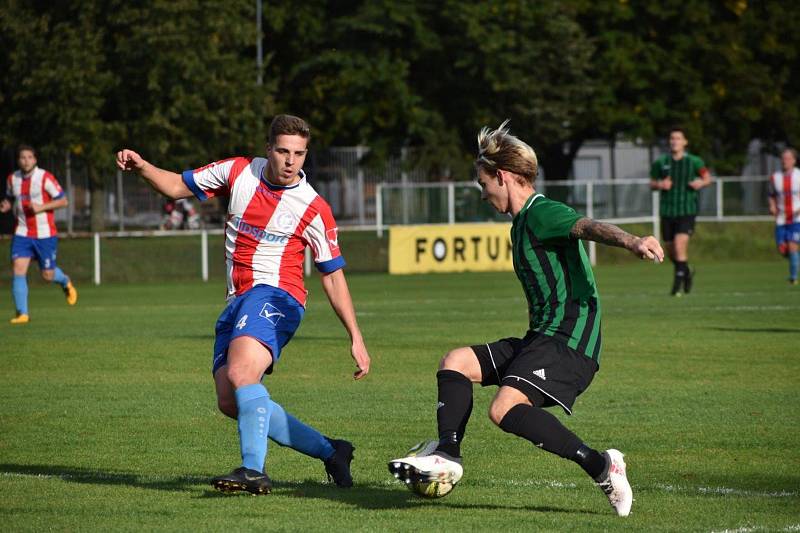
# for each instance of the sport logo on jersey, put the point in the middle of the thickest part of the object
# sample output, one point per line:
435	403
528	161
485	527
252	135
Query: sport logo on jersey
257	233
333	237
271	313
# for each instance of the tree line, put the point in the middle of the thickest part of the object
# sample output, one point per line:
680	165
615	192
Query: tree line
177	79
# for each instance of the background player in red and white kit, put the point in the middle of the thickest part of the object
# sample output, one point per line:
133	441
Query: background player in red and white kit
273	215
784	205
36	195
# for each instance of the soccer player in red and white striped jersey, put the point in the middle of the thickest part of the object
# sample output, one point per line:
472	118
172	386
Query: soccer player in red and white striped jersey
273	215
784	204
36	194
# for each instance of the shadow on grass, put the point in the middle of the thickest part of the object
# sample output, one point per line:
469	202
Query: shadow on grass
382	496
365	496
756	330
103	477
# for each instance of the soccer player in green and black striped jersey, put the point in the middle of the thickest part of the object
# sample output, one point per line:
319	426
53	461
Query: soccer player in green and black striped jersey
678	176
558	356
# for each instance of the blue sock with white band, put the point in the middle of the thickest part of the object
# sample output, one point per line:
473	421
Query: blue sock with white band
286	430
19	288
254	412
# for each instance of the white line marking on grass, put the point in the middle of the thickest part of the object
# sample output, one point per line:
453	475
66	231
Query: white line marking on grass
755	307
727	491
104	475
748	529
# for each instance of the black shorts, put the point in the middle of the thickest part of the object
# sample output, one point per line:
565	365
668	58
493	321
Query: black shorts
671	226
545	369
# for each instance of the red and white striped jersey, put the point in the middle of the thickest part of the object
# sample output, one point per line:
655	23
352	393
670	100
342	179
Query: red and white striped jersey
268	226
39	187
785	189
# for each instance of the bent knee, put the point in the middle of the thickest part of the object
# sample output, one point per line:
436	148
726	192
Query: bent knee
498	411
464	361
48	275
503	403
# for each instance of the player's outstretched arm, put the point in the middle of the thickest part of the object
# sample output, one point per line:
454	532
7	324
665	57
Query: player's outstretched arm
335	287
593	230
168	183
5	206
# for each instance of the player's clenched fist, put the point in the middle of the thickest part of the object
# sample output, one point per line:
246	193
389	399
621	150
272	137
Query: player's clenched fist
129	160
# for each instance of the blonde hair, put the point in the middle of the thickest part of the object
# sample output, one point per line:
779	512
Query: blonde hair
499	150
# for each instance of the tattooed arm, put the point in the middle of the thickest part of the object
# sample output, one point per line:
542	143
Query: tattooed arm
593	230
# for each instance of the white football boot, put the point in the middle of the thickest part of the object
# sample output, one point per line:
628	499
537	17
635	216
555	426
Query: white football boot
426	465
615	486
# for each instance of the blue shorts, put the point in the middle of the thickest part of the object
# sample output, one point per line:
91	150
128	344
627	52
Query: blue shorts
44	250
787	233
268	314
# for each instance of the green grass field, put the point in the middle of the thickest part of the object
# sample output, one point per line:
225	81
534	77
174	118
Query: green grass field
108	419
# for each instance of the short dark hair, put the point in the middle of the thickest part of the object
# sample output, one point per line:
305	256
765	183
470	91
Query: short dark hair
25	148
679	129
791	151
288	125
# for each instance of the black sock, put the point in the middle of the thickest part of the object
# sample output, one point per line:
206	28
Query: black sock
547	432
593	462
453	410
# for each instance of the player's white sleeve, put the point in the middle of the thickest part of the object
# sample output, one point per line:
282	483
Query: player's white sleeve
214	179
52	186
323	236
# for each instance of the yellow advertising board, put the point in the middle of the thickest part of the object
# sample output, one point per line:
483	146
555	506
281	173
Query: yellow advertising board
450	248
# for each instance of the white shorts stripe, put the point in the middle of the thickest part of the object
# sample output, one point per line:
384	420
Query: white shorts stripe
567	409
493	364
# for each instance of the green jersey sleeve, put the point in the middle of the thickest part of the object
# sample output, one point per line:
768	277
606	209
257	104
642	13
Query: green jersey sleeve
551	221
697	165
655	169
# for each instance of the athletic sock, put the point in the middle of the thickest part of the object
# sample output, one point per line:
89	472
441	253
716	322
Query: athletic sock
542	429
254	412
60	278
794	262
19	288
547	432
593	462
453	410
286	430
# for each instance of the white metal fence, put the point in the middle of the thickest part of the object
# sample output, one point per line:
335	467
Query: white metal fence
728	199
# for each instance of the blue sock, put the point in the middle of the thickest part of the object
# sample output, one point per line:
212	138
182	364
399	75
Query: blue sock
19	288
794	261
60	278
286	430
254	411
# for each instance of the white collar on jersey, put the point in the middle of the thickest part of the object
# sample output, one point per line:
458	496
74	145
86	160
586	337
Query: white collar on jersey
279	187
29	174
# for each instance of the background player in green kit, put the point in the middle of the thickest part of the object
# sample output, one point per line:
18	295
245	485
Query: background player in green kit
558	356
678	175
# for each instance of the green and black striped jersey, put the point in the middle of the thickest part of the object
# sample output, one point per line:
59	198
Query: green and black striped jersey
556	275
680	200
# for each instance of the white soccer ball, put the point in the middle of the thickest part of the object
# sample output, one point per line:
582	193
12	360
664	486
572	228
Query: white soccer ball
428	489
